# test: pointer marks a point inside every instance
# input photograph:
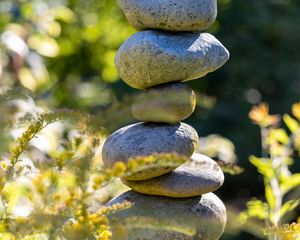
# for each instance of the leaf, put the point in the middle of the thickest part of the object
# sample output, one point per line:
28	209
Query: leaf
27	78
289	206
263	165
276	149
63	14
230	168
260	115
256	209
290	183
287	161
296	110
291	123
279	135
270	197
44	45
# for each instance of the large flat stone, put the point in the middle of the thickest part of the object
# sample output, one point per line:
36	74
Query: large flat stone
160	218
144	139
170	15
169	103
152	58
198	176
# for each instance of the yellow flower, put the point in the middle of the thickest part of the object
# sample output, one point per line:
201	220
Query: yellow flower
285	232
260	116
119	169
98	181
106	234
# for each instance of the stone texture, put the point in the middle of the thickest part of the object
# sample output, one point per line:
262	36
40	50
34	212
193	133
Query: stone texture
153	217
150	58
168	103
170	15
198	176
143	139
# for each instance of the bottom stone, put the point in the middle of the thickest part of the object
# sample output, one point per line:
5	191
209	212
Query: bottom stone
163	218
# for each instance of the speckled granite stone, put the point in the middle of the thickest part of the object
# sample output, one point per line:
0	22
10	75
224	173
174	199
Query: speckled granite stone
169	103
151	58
143	139
198	176
170	15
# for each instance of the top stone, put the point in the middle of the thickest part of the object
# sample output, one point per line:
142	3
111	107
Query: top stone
170	15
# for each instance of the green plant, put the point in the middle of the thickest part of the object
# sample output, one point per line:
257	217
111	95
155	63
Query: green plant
279	148
60	195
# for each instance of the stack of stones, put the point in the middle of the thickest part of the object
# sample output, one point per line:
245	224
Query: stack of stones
167	52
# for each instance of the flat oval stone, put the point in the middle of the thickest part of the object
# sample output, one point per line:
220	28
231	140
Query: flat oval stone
168	103
163	218
170	15
151	58
144	139
198	176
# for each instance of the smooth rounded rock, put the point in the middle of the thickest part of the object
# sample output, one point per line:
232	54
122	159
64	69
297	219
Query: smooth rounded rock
168	103
198	176
163	218
144	139
170	15
151	58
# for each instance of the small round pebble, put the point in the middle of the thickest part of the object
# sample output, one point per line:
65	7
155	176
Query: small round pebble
163	218
152	58
198	176
170	15
144	139
169	103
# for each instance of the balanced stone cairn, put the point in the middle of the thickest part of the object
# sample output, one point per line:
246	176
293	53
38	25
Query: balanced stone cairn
166	201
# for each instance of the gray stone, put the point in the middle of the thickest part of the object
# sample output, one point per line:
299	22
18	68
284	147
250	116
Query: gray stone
170	15
198	176
152	58
144	139
163	218
169	103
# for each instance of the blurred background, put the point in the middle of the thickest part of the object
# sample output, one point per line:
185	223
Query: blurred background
61	53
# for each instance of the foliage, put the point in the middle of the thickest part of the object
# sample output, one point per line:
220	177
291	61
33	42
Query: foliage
41	41
222	150
230	168
286	232
60	195
281	186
